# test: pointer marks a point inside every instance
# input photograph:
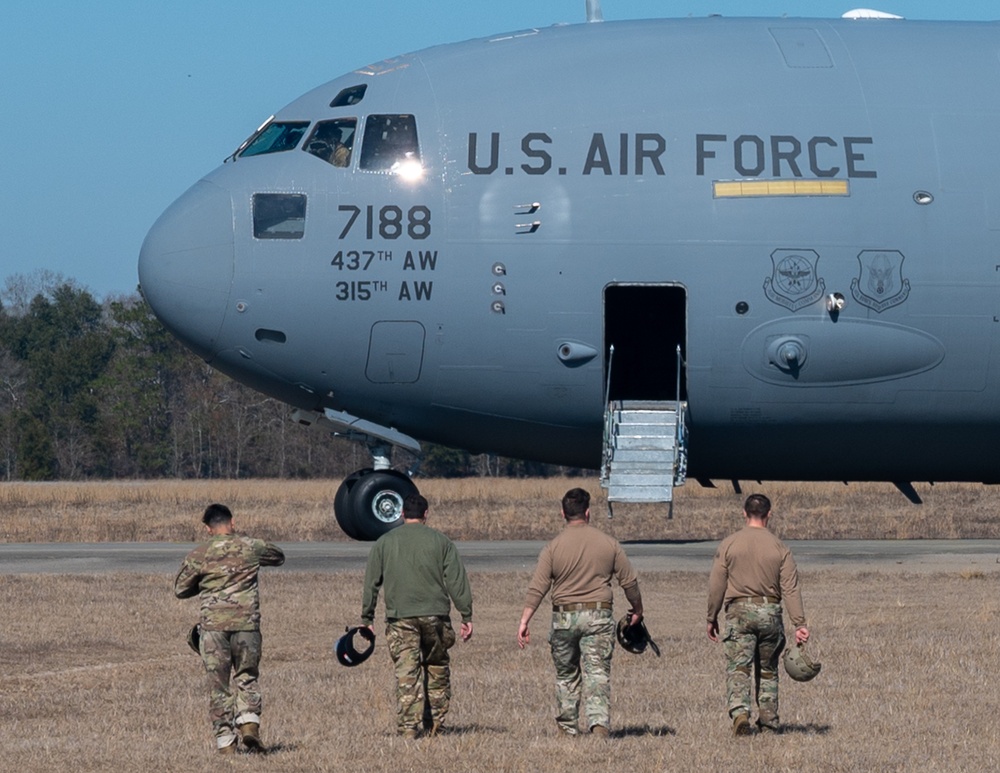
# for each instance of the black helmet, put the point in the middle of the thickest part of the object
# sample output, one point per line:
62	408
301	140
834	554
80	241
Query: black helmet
798	665
194	637
634	638
346	654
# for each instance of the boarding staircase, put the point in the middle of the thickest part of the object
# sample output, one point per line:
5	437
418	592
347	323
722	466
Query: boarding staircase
645	449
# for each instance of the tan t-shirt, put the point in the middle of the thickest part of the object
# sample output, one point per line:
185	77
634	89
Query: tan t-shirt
578	566
753	562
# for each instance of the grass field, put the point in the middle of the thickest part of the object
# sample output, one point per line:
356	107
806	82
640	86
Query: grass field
488	508
96	677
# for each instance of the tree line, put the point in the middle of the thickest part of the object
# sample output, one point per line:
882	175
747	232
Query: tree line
98	390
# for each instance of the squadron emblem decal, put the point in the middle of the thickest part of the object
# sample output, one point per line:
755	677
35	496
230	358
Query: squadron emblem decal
793	282
880	284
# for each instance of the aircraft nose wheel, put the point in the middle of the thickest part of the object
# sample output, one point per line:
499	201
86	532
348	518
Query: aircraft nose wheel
370	502
387	506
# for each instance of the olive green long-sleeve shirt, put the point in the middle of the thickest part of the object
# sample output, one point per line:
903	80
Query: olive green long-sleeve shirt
422	573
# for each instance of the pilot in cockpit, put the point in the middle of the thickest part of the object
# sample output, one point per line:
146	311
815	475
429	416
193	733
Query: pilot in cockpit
327	143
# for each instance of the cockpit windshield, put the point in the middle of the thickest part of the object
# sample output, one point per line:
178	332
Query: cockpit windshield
274	137
390	144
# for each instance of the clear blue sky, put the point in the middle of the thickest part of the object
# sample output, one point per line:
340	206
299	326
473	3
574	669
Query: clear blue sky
112	108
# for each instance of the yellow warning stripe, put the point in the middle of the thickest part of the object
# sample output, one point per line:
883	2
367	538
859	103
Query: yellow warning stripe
729	189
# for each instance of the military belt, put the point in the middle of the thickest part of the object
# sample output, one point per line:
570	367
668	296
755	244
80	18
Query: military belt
581	605
754	600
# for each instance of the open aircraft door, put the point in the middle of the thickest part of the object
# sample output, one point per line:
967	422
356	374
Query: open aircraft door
643	326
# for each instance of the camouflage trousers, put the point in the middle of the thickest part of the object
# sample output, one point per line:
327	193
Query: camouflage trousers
754	639
582	643
231	656
419	649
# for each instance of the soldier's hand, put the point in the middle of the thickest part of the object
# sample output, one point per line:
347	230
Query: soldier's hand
466	631
801	635
523	636
713	631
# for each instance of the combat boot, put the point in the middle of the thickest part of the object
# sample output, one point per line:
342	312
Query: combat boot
741	724
250	733
230	749
599	731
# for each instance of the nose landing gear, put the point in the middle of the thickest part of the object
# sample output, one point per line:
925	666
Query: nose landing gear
369	502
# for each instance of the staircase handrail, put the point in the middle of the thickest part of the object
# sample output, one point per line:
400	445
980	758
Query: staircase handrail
680	454
606	446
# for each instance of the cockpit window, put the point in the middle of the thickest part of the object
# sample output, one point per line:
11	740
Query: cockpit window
275	137
279	215
350	96
332	141
390	143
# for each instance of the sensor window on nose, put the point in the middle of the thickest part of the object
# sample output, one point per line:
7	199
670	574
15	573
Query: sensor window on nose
279	215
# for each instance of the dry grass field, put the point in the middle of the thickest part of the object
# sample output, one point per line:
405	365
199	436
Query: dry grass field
488	508
96	677
95	674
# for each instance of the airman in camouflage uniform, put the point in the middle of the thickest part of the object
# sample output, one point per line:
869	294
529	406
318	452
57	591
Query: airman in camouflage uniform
579	565
422	574
224	572
752	573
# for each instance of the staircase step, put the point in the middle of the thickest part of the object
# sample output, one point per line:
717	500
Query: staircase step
627	461
638	468
640	493
648	443
640	478
646	417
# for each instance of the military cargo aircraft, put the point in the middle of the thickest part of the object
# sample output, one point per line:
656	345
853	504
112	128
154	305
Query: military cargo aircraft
719	248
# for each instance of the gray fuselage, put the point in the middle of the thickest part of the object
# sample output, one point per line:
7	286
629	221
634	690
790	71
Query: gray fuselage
809	209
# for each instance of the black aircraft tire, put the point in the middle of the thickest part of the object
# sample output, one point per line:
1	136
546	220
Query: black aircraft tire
376	502
342	510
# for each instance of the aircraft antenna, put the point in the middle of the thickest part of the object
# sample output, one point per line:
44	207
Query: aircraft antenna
594	12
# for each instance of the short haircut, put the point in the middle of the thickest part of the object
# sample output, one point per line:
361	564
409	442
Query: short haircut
216	515
575	503
757	506
414	506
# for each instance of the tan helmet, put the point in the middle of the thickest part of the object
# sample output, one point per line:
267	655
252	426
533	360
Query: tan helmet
798	665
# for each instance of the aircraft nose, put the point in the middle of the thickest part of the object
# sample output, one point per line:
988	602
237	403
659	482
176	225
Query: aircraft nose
186	266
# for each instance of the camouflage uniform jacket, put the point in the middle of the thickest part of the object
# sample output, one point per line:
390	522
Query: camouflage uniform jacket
224	571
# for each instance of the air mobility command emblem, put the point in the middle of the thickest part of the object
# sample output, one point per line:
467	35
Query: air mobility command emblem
793	282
